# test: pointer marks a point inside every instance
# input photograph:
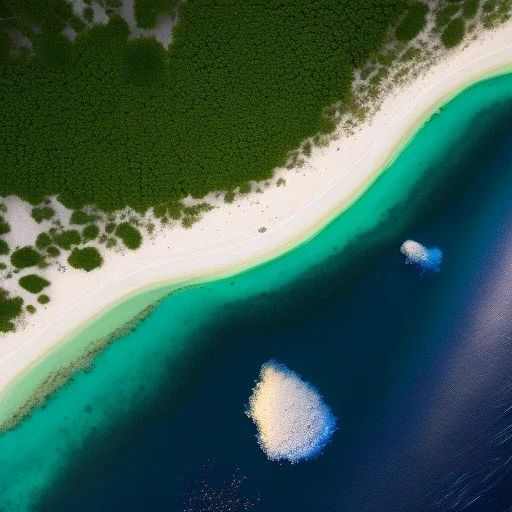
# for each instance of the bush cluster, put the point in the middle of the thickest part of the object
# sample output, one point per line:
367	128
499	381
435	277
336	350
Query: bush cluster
86	259
4	226
26	257
242	84
10	308
43	299
41	213
43	241
66	239
453	34
33	283
413	22
80	217
90	232
129	235
4	247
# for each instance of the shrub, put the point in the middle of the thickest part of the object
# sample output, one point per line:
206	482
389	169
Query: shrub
144	61
229	197
5	45
174	210
130	235
43	241
41	213
444	15
26	257
245	188
88	14
86	259
4	247
453	34
111	4
10	308
413	23
43	299
53	251
90	232
4	226
470	9
66	239
80	217
31	309
33	283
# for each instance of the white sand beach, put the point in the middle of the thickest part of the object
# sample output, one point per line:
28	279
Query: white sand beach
228	239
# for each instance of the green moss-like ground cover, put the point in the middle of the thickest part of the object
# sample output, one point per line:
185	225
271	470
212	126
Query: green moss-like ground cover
241	85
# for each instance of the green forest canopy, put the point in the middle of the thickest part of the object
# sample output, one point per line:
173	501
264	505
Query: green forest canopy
241	85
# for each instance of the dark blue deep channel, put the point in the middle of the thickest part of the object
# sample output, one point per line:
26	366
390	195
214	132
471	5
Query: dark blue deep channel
417	369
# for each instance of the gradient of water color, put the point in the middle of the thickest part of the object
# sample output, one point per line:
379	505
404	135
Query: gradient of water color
372	334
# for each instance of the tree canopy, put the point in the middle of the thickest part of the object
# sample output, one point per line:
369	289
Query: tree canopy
241	84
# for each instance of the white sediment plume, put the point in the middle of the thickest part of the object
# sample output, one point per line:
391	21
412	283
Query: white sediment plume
428	260
292	420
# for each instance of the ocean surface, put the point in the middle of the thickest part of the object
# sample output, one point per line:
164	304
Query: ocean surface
416	368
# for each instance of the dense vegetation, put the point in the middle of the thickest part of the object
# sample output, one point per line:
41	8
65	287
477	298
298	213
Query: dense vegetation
86	259
453	34
413	22
41	213
81	217
43	241
241	85
43	299
26	257
67	239
4	247
129	235
90	232
33	283
10	308
147	11
4	226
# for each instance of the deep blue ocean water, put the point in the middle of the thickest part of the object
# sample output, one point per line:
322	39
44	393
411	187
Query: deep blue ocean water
417	369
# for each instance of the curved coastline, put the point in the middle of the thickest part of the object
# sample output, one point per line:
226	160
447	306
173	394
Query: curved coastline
95	322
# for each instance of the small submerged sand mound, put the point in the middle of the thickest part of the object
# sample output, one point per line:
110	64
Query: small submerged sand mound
292	420
427	260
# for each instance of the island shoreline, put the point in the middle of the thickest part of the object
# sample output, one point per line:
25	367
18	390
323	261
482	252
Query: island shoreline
292	232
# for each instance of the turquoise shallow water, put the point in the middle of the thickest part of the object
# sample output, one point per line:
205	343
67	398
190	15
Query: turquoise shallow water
155	369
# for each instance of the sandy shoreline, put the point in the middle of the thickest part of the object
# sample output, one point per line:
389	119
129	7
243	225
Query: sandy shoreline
227	241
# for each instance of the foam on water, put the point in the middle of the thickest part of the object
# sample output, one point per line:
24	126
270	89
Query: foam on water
428	260
293	421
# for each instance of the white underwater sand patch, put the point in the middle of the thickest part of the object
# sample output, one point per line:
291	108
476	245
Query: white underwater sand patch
293	421
428	260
